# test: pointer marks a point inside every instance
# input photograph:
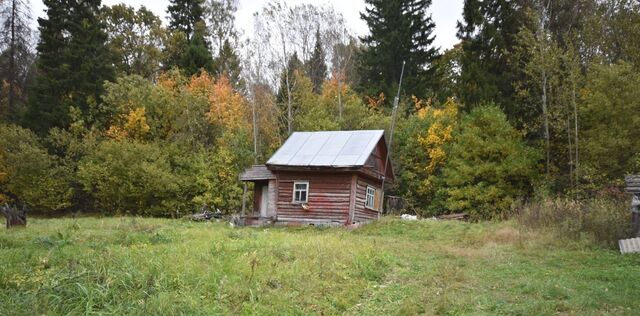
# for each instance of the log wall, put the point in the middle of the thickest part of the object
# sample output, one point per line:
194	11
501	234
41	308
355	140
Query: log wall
362	213
328	200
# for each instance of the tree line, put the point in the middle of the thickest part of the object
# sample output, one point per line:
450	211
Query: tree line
112	111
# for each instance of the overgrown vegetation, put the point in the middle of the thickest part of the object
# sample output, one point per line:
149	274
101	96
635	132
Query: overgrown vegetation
599	221
127	115
132	265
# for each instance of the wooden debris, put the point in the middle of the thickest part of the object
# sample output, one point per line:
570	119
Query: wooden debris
632	183
455	216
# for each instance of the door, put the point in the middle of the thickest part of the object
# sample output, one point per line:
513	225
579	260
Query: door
264	200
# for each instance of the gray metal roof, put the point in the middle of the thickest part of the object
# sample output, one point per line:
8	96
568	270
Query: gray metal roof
327	149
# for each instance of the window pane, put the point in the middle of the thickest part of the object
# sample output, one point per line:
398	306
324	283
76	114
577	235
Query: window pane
303	196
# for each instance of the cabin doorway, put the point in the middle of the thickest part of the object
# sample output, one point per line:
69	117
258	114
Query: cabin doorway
264	200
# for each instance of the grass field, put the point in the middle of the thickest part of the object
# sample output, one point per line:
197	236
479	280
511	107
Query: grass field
162	266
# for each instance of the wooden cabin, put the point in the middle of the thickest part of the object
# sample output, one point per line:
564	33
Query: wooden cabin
321	178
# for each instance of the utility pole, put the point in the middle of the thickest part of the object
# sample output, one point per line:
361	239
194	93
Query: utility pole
393	123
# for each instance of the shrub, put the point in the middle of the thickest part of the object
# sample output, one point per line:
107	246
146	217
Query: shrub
29	173
603	221
131	177
489	166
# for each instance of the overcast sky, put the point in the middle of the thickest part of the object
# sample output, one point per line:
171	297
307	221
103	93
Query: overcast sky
445	13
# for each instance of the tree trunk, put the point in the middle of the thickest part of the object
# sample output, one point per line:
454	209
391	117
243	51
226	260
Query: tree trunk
339	98
13	216
12	56
255	128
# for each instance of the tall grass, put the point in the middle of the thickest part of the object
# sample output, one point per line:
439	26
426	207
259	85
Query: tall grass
150	266
600	221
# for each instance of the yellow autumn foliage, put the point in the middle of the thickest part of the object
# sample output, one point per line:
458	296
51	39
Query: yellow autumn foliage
438	135
133	126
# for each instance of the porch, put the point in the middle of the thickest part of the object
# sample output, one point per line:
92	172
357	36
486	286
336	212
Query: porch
262	210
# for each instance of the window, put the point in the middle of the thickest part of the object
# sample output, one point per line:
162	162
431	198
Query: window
370	200
300	191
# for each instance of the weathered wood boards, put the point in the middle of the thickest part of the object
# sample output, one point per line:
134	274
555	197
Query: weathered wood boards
632	183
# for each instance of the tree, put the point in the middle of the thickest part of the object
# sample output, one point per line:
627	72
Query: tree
16	56
489	166
135	38
228	64
184	14
73	63
287	85
400	30
33	176
316	66
488	36
186	21
197	56
608	112
221	18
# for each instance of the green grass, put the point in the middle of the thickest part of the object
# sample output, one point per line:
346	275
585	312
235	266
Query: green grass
163	266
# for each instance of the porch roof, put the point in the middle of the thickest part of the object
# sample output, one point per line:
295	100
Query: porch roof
257	172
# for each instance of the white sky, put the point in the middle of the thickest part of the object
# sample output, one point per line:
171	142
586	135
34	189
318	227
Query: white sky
445	13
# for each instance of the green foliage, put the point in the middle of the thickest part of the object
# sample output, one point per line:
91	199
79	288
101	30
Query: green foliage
135	39
31	175
316	66
197	56
421	150
490	167
228	64
73	62
399	30
130	177
311	115
609	115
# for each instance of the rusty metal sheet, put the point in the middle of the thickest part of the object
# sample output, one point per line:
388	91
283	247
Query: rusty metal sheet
327	148
630	245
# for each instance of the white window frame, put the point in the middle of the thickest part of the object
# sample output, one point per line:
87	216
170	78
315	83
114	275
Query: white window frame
370	197
306	196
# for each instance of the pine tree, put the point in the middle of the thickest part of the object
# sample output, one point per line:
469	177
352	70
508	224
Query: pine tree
73	63
316	67
16	58
184	14
399	30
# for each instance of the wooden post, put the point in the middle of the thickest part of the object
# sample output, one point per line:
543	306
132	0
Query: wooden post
244	198
633	187
635	216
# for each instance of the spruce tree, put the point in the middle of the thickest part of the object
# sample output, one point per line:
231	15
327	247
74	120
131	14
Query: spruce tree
228	64
186	21
184	14
316	67
197	56
488	35
399	30
73	63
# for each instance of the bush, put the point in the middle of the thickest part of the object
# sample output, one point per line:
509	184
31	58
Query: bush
603	221
131	177
489	166
29	173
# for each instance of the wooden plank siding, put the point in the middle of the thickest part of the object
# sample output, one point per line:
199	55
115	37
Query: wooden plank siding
362	213
328	199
